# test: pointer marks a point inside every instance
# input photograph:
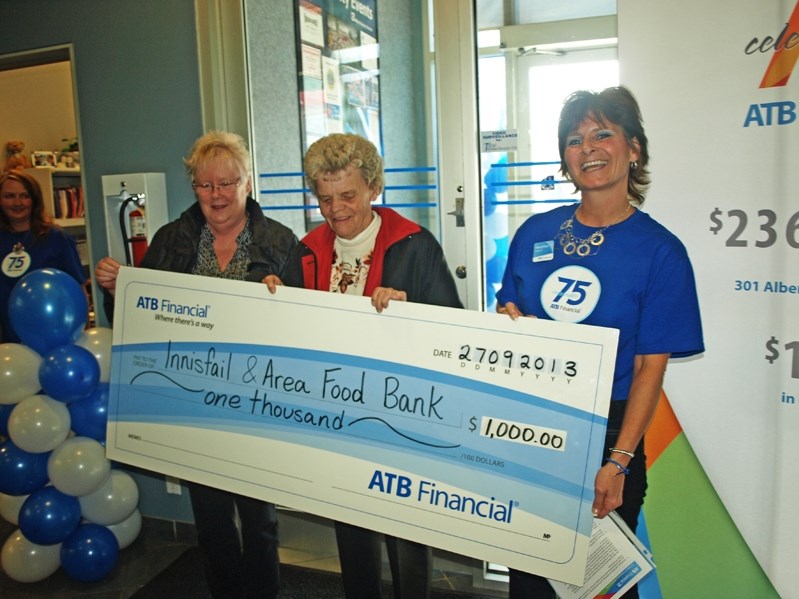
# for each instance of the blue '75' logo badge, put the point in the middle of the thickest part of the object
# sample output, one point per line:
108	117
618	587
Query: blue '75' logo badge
570	294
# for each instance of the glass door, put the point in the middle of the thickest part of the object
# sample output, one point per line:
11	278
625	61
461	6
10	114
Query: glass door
502	76
523	177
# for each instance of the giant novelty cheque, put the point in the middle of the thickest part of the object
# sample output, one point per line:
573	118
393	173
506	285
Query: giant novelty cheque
462	430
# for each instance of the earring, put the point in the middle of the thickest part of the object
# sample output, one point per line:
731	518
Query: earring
634	165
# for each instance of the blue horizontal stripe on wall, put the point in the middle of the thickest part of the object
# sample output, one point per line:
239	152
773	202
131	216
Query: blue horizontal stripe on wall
523	202
409	187
411	169
515	164
270	175
387	205
276	191
302	191
519	183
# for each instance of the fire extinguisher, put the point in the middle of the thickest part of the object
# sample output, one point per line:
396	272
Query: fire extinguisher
138	236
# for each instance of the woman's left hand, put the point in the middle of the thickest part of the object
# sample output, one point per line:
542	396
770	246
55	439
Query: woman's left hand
608	488
383	295
648	371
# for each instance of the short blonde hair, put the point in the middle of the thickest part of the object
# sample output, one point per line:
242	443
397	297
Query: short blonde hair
219	146
337	152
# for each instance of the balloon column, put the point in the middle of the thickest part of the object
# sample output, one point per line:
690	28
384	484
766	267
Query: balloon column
72	509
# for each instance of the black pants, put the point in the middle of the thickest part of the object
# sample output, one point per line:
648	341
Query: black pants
236	567
361	564
530	586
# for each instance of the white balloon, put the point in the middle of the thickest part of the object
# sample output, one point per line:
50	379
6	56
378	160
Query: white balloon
39	424
98	341
127	530
24	561
10	506
19	372
78	466
114	501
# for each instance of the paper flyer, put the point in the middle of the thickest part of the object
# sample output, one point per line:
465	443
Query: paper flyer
617	560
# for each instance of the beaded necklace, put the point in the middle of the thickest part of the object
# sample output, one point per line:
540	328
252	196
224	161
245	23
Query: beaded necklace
581	248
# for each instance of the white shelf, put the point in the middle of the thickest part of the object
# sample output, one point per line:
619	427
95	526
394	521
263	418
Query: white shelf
47	177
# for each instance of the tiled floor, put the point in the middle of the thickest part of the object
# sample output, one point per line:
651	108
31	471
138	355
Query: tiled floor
306	541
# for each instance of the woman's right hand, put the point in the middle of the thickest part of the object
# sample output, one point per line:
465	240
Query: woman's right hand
106	273
271	282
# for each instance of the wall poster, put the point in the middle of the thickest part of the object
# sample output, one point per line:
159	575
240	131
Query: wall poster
339	79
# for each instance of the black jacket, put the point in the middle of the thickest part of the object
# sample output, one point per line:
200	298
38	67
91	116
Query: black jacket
174	246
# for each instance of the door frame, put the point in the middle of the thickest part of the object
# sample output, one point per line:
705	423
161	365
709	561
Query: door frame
455	75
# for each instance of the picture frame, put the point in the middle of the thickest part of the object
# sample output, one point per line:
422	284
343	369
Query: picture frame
43	158
69	160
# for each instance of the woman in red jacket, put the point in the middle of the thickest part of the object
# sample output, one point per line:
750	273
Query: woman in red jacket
371	251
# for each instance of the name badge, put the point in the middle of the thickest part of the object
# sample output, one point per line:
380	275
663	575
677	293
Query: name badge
543	251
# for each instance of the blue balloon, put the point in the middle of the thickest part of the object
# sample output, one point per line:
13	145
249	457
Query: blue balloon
5	412
21	472
69	373
49	516
90	415
47	308
89	553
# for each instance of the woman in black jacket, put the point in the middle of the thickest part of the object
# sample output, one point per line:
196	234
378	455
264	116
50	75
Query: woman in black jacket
225	235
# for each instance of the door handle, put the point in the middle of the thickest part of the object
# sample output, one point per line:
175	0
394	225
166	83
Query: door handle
458	213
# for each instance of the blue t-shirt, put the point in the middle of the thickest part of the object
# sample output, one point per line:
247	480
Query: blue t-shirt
55	250
640	281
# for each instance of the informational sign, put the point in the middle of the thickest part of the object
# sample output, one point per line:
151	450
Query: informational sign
499	141
337	48
461	430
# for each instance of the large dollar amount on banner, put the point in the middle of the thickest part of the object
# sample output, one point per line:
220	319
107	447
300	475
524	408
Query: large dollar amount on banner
462	430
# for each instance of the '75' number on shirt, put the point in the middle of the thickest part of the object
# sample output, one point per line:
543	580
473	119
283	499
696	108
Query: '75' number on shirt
570	293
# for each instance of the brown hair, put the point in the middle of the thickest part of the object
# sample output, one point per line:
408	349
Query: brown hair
619	106
41	222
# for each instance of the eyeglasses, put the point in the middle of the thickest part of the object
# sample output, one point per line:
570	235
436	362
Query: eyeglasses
208	188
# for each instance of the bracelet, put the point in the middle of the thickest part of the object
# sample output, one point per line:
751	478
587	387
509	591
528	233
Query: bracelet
622	451
622	469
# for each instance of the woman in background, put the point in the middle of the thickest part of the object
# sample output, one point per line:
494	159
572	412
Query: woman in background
29	240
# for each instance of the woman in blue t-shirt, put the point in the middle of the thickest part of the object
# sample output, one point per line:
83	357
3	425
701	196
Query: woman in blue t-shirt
605	262
29	240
